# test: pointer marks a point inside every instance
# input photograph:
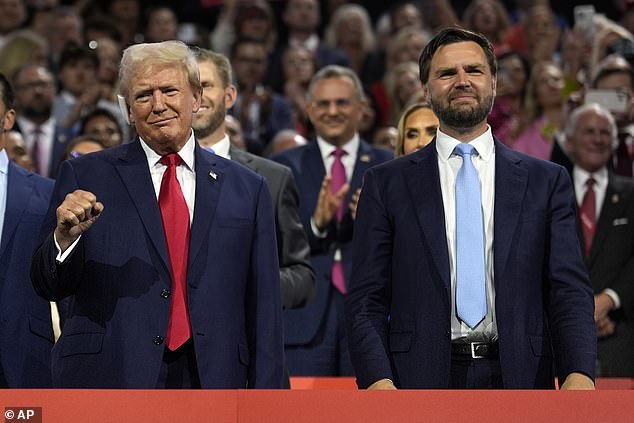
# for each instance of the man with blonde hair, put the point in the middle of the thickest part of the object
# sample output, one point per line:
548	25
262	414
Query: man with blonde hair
163	249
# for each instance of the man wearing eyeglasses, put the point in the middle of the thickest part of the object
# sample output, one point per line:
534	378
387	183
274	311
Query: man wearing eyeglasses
328	172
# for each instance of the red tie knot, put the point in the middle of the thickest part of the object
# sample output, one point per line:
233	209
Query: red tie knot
339	153
590	182
172	159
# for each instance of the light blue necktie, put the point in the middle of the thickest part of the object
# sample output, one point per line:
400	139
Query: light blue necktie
471	302
211	150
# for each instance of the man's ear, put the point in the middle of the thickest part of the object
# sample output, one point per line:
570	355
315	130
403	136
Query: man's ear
231	94
9	120
426	93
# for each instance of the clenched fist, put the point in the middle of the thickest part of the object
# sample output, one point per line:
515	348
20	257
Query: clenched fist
75	215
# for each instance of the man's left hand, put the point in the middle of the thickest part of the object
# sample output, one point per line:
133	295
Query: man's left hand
577	381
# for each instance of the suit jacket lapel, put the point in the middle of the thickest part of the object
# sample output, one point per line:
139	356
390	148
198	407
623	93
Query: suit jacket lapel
242	158
365	160
19	189
313	164
210	174
423	182
511	181
133	169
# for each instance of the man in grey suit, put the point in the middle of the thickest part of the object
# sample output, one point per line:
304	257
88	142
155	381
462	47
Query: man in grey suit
297	278
606	233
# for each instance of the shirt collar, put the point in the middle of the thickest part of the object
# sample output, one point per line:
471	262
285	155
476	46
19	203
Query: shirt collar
445	145
186	153
581	176
27	126
4	162
311	43
221	148
351	147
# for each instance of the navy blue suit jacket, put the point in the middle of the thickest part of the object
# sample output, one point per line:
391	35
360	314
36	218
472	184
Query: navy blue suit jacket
118	276
307	165
399	306
26	333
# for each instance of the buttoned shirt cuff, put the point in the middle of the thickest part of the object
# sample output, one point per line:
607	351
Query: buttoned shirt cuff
316	231
62	256
615	297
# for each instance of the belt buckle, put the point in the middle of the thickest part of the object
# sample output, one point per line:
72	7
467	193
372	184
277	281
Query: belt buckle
473	349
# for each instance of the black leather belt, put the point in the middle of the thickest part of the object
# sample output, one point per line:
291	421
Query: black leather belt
476	349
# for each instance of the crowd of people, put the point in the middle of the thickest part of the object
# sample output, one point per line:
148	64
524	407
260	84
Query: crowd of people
315	265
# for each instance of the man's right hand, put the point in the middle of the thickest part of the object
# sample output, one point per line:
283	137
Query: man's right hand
328	203
75	215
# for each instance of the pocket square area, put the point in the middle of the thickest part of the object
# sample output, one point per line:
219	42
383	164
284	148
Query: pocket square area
621	221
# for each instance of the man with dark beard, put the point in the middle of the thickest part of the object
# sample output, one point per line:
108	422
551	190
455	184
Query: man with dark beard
467	272
45	139
296	275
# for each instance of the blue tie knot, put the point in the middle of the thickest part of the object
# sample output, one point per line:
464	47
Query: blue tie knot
464	148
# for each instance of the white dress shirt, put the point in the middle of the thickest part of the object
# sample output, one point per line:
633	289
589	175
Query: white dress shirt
580	177
47	138
4	184
448	165
185	174
221	148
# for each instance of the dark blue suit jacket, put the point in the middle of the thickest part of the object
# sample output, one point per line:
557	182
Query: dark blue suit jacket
399	306
26	333
119	274
307	165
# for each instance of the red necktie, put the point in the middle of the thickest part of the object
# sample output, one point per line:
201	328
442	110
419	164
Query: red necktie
175	216
35	150
338	175
587	213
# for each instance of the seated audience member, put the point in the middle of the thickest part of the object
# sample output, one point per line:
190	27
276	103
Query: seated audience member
544	105
80	93
615	74
240	19
234	131
45	137
385	137
490	18
103	125
606	234
401	85
16	149
508	109
302	19
350	30
284	140
416	128
298	66
82	145
161	24
20	48
261	111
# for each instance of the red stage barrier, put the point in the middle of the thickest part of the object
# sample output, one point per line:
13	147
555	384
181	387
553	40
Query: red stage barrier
323	404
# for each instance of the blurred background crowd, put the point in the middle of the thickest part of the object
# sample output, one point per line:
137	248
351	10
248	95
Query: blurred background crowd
62	58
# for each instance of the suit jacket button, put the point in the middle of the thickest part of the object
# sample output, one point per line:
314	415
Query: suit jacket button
448	333
165	293
158	340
